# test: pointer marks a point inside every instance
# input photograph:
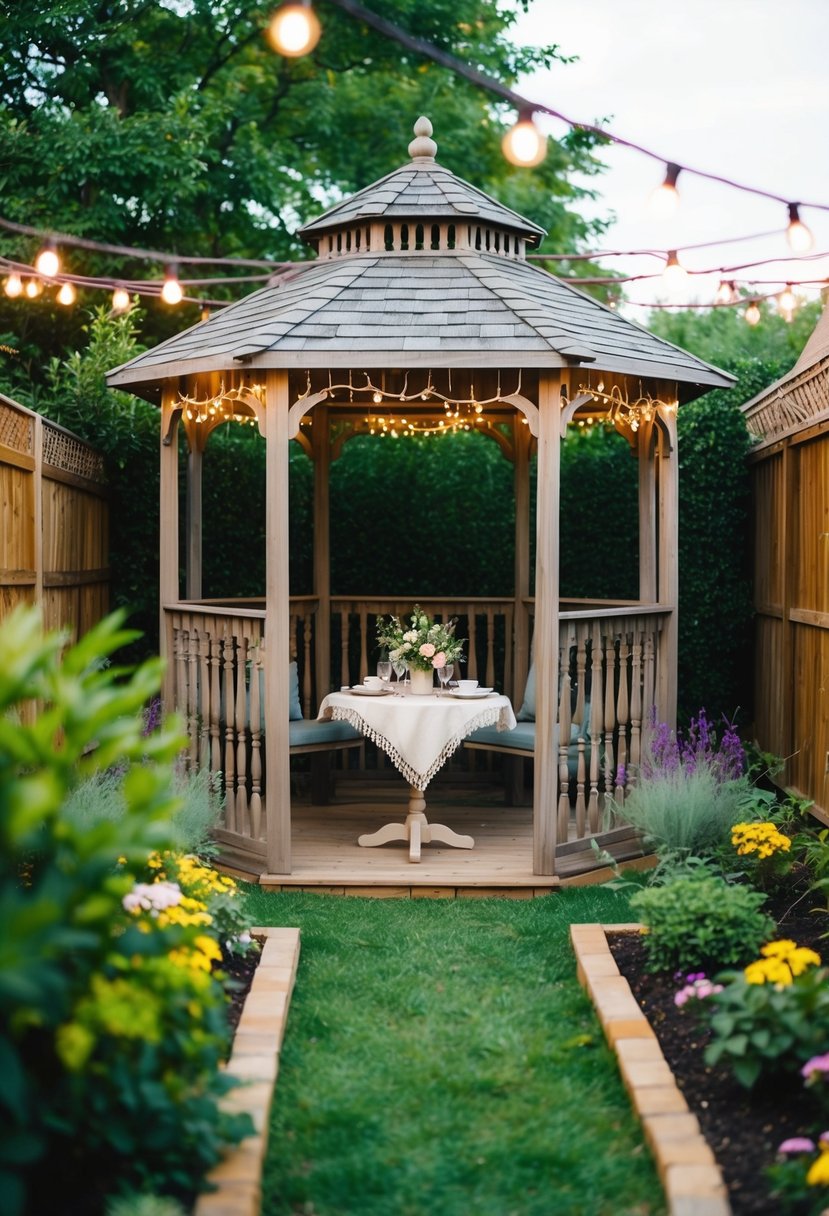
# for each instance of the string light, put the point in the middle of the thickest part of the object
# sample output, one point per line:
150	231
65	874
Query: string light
664	201
67	295
171	292
294	29
620	408
786	303
524	145
797	234
674	276
726	293
33	288
752	314
47	261
13	285
120	299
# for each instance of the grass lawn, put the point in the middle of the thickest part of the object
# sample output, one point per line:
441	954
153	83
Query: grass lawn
441	1057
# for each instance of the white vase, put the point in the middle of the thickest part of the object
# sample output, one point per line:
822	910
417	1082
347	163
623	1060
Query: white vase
422	682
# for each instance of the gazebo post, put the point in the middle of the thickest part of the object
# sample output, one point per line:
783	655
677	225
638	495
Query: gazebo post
668	568
277	636
647	514
521	626
321	447
193	520
545	643
168	584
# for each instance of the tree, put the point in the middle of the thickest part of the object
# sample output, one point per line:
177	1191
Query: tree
172	125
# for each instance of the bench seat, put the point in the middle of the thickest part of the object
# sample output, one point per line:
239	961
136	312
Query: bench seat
310	735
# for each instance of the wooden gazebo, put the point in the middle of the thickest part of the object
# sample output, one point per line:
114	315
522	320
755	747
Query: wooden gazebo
420	312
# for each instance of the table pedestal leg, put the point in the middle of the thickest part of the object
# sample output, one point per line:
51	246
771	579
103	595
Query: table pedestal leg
416	830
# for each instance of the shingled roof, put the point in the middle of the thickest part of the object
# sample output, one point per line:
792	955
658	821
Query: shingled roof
450	306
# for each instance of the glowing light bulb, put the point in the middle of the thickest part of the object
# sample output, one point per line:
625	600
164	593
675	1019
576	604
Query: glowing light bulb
725	293
120	299
377	397
752	314
171	292
797	234
674	276
47	261
294	29
13	285
664	200
33	289
524	144
67	295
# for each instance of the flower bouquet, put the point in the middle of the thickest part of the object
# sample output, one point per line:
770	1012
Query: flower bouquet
422	644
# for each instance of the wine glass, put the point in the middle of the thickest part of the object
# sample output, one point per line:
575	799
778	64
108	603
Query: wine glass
384	671
445	674
399	666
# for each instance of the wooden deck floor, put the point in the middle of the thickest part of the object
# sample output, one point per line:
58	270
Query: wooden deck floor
327	858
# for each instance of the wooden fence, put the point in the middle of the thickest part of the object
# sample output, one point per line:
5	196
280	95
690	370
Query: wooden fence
54	522
790	480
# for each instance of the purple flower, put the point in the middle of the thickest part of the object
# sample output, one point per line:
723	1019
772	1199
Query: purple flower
621	775
814	1067
797	1144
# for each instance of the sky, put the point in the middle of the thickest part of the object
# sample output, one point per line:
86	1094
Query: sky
738	88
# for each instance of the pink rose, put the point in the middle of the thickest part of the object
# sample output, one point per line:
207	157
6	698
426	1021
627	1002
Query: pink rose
427	650
439	660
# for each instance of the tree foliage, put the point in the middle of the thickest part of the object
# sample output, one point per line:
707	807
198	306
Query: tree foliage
172	125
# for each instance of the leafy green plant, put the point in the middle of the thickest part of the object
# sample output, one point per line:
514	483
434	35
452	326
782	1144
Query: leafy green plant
112	1027
800	1175
700	922
771	1016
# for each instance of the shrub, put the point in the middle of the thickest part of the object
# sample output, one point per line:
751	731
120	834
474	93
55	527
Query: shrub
773	1015
111	1031
697	922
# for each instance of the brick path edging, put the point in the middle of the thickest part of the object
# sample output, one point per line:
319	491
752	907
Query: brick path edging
255	1061
689	1174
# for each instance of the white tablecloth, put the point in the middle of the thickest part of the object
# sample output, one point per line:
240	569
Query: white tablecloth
418	734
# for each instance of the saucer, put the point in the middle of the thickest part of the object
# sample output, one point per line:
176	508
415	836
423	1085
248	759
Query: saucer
360	690
470	696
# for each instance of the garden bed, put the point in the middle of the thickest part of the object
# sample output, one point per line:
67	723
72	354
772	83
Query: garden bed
743	1128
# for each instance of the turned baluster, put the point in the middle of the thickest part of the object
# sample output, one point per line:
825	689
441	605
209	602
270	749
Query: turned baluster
230	715
635	702
243	672
490	648
581	665
193	696
609	713
622	717
215	704
563	745
345	679
204	698
596	718
257	670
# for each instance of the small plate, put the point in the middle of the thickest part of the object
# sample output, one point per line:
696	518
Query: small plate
470	696
360	690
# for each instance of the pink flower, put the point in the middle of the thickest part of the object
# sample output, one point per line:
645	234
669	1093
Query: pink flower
439	660
797	1144
816	1065
427	650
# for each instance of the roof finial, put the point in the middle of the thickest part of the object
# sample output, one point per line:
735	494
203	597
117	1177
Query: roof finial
422	147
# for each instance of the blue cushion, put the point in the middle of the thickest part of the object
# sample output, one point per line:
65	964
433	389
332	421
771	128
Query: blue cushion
313	731
527	711
521	736
295	709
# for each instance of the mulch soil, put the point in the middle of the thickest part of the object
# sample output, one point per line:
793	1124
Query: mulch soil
743	1128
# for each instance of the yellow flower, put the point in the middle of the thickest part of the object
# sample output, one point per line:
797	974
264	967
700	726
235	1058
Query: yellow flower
778	949
818	1174
802	958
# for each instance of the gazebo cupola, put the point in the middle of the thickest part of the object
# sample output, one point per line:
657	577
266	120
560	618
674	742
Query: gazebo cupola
421	297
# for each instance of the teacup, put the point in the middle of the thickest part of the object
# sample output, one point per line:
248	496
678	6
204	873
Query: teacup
467	685
372	682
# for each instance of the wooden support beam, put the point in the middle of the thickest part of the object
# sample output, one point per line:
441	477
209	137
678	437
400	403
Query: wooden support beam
521	627
193	522
647	512
277	635
668	570
168	532
546	625
320	439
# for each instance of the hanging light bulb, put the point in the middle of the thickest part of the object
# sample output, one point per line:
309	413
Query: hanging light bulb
13	285
171	292
752	314
33	288
67	295
726	293
47	261
377	397
294	29
674	276
664	200
120	299
786	302
524	144
797	234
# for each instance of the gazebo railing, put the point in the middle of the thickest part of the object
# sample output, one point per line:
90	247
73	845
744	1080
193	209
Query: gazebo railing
609	690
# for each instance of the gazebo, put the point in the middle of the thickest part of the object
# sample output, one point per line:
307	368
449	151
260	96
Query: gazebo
419	313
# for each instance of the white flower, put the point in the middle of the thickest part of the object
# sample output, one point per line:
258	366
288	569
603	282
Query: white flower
152	897
407	645
410	635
